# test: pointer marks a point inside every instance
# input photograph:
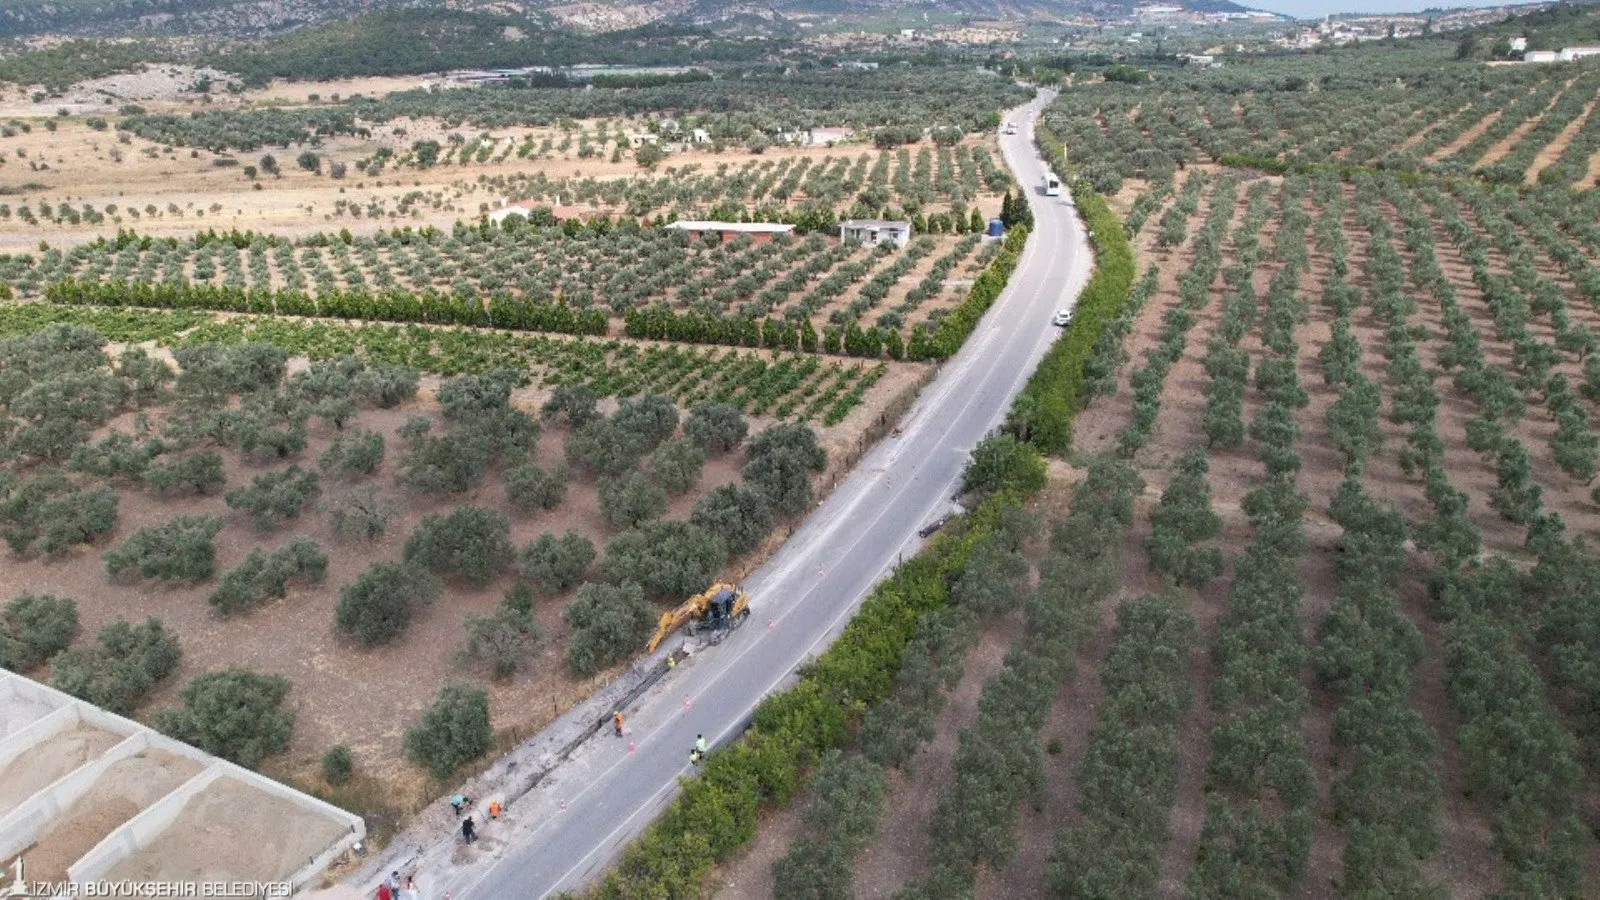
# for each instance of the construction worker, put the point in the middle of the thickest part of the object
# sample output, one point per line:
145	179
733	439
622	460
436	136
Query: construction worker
494	809
700	744
616	719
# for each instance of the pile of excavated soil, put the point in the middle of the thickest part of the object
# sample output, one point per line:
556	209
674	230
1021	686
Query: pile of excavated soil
17	713
126	788
232	832
48	760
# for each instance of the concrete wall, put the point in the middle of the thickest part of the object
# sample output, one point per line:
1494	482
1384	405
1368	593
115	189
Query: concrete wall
20	827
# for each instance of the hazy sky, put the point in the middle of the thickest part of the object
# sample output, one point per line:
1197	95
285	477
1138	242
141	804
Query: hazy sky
1319	8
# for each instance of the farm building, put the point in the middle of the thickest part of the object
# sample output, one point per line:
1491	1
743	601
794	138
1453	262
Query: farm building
875	231
760	231
1573	54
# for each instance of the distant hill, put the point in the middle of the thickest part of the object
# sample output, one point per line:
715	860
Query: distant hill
256	18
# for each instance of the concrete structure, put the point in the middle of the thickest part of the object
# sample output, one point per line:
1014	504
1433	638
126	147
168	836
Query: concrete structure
699	136
1519	44
38	722
1573	54
1539	56
762	232
875	231
827	137
639	139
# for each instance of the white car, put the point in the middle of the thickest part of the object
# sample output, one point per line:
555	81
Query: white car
1062	318
1011	128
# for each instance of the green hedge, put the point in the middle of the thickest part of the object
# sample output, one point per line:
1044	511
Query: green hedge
960	322
716	813
501	311
1044	412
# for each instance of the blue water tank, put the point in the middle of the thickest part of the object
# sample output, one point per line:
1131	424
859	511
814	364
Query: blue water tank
997	228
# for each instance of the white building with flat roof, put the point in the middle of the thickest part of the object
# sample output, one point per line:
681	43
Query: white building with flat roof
875	231
760	231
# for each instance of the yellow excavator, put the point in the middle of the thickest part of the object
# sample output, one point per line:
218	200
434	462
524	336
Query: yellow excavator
721	607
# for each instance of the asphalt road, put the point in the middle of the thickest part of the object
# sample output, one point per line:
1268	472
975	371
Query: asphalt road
611	789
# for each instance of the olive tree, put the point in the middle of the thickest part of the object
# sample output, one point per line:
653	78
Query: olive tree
181	550
35	627
669	559
631	500
555	564
738	516
716	427
275	497
377	607
609	624
236	714
470	541
126	663
453	731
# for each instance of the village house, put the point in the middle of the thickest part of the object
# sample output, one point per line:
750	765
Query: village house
875	231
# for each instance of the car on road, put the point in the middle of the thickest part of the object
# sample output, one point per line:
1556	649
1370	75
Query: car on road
1062	318
1011	128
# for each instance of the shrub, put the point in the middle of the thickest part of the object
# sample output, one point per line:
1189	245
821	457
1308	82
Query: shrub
181	550
609	624
125	665
377	607
262	577
1000	462
668	559
503	641
677	466
353	455
234	714
578	402
631	500
716	427
738	516
200	473
275	497
361	513
35	627
50	514
338	765
530	488
471	541
453	731
555	564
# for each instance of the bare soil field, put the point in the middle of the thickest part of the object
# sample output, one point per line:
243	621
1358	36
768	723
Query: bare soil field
175	191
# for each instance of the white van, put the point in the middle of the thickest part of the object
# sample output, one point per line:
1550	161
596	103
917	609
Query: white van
1052	185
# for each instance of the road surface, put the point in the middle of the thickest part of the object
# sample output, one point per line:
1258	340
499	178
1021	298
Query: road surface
610	790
